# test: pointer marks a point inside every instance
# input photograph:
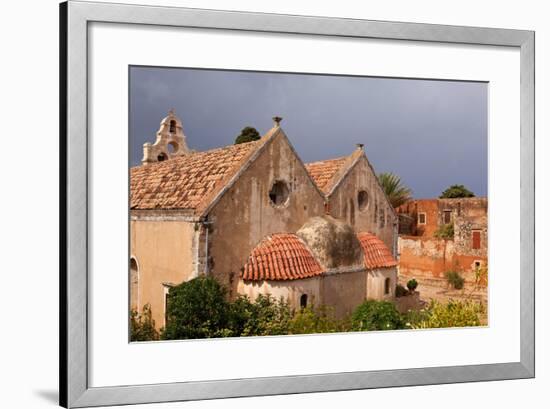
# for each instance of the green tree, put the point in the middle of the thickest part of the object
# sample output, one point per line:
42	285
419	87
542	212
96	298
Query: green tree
456	191
197	309
396	192
248	134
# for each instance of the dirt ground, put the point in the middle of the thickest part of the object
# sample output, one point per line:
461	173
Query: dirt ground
440	290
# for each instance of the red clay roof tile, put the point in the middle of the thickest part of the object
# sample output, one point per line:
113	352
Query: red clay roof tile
323	172
187	182
281	256
377	254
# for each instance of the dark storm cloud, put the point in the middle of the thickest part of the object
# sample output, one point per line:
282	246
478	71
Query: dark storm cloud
431	133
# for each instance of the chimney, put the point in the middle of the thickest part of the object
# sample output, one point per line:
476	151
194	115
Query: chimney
360	146
277	120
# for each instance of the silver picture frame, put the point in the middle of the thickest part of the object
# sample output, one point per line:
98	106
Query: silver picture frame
75	16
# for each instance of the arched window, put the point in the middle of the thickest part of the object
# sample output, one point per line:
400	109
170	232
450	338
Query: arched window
134	284
387	285
172	126
303	301
351	212
161	157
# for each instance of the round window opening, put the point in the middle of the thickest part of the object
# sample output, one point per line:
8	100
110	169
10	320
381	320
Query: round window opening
279	193
362	199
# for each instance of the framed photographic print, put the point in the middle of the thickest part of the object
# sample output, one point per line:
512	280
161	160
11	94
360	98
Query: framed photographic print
258	204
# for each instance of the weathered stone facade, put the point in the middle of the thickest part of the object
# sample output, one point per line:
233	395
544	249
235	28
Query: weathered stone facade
422	254
205	212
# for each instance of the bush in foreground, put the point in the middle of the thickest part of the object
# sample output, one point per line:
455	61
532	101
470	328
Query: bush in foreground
197	309
452	314
142	325
376	315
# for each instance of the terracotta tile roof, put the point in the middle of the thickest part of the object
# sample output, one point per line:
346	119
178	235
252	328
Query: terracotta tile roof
281	256
187	182
377	254
323	172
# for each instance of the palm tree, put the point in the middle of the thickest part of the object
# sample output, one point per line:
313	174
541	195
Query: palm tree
396	192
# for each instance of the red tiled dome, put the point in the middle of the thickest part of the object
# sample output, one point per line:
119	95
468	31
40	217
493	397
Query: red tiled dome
281	256
377	254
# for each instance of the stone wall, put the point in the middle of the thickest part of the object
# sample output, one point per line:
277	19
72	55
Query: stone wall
163	256
245	215
431	258
376	216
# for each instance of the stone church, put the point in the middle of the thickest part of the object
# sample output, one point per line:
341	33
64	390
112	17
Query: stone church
260	221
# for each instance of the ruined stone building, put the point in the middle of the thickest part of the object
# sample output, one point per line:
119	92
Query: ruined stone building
260	221
422	250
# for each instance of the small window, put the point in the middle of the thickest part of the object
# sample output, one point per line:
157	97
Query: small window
279	193
362	200
351	212
447	216
477	264
476	239
421	218
303	301
172	126
161	157
387	285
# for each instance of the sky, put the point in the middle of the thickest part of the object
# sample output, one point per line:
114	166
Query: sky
431	133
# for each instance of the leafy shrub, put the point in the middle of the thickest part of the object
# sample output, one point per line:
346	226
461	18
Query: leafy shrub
312	320
400	291
265	316
445	231
142	326
376	315
452	314
197	309
455	279
412	284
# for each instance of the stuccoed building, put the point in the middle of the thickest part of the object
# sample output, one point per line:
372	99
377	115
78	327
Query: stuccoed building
260	221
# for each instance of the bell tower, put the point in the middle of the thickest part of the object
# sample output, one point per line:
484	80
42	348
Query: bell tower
171	141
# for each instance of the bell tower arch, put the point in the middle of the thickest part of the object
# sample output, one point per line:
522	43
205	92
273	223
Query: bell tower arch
171	141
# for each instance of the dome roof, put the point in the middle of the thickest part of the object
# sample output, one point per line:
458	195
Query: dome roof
334	243
281	256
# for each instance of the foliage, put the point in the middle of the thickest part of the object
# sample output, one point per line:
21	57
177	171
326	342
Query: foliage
142	326
400	291
265	316
445	231
248	134
312	320
452	314
197	309
412	284
396	192
455	279
376	315
456	191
